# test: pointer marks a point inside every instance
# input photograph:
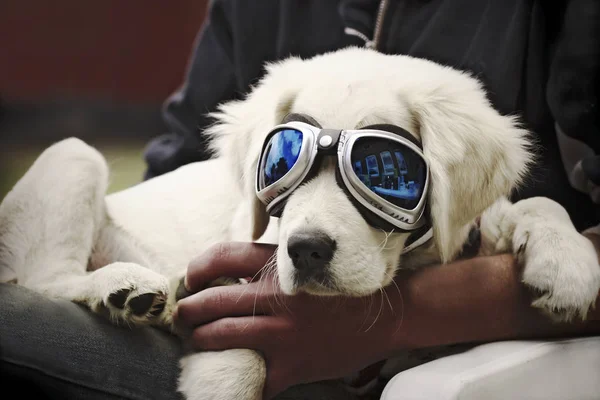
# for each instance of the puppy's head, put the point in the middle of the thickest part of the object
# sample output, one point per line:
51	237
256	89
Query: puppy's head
475	156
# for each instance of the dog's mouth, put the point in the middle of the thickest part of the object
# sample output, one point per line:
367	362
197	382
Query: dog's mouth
323	283
317	283
318	289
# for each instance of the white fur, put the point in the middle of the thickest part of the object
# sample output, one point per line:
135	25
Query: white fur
60	235
559	262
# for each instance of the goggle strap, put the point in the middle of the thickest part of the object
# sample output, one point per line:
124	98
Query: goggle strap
418	238
307	119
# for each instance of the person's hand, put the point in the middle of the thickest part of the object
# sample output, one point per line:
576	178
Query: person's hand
303	338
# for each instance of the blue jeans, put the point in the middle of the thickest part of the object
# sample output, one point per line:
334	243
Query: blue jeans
57	349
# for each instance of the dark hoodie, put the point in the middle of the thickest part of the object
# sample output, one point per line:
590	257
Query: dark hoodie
538	59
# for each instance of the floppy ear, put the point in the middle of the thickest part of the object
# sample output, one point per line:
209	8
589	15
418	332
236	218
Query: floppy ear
475	154
241	127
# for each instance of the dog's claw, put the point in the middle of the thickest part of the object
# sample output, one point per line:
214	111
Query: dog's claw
473	244
181	291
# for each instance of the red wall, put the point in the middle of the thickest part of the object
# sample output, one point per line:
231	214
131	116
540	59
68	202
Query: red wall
120	50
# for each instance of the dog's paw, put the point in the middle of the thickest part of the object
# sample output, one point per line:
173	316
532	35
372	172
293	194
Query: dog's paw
135	304
561	265
129	293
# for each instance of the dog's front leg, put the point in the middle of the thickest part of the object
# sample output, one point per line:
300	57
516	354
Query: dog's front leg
215	375
123	292
222	375
50	226
558	262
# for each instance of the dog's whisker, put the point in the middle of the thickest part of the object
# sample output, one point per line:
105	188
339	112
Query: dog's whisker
271	273
378	313
268	275
275	298
369	299
265	268
275	283
387	298
401	302
383	243
262	283
393	281
254	305
259	272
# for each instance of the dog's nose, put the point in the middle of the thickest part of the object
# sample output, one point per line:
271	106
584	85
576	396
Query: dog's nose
310	250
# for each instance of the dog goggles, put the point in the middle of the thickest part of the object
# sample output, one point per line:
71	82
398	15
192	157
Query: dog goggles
384	174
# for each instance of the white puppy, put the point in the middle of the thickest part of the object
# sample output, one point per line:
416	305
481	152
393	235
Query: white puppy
123	255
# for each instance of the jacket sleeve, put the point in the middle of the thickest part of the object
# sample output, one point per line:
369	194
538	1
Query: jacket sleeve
573	91
210	79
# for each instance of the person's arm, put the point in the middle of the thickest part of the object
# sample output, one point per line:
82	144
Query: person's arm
210	80
477	300
305	338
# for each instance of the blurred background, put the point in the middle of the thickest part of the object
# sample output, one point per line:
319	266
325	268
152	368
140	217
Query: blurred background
96	69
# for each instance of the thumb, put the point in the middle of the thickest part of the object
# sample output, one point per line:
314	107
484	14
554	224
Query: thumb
231	260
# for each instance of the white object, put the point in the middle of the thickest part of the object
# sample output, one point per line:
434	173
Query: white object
532	370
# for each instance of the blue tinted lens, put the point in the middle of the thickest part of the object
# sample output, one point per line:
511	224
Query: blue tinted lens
391	170
280	155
